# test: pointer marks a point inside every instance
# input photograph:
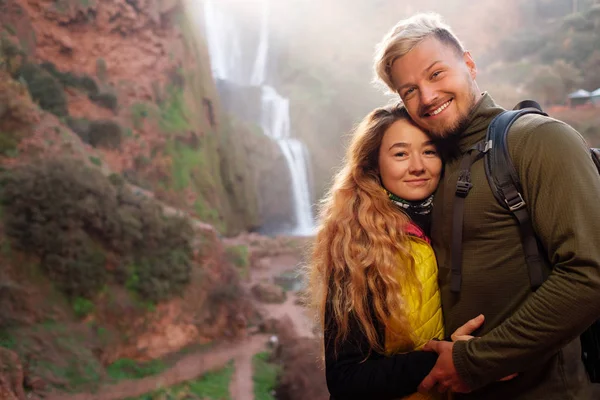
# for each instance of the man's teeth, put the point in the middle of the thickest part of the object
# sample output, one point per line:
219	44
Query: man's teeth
442	107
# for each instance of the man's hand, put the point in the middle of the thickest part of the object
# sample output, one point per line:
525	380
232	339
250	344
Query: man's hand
443	373
464	332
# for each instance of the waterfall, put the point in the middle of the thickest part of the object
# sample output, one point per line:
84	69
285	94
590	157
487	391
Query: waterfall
229	63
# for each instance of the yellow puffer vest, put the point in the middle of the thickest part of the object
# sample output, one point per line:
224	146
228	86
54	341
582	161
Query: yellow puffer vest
426	321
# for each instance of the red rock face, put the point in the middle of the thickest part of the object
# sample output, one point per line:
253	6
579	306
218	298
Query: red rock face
137	43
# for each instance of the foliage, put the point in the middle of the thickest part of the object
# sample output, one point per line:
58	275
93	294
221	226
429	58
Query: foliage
68	362
83	82
11	55
139	112
72	216
173	112
105	134
8	144
105	99
81	126
212	386
265	376
566	42
126	368
101	70
44	89
82	307
238	256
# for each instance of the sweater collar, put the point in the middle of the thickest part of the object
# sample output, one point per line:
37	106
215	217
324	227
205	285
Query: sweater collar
484	112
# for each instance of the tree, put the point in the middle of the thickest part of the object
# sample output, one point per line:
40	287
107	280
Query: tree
591	72
569	75
546	85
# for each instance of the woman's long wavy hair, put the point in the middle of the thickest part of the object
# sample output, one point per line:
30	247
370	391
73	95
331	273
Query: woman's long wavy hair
361	265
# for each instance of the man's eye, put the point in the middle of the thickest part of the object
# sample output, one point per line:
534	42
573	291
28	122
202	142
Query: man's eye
409	91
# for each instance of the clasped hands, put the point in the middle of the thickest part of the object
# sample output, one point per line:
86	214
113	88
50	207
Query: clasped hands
444	373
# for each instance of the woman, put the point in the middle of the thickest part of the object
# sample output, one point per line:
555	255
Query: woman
373	274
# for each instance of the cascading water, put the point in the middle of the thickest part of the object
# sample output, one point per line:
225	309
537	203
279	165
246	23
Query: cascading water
227	62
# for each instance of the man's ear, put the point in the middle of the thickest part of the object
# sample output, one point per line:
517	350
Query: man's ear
470	63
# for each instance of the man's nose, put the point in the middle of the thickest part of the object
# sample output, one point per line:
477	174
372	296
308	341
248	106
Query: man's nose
428	95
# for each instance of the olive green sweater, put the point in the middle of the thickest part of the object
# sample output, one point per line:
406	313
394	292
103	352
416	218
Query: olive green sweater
534	334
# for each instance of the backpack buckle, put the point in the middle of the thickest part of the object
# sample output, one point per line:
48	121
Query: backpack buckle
484	146
516	203
463	188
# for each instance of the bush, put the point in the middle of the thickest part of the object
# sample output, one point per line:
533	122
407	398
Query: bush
8	144
71	216
126	368
83	82
82	307
101	70
81	126
45	89
265	376
105	134
106	100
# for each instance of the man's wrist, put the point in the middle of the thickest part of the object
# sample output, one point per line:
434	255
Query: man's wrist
461	362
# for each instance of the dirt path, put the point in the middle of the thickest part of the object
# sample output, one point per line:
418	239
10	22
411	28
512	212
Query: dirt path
240	351
189	368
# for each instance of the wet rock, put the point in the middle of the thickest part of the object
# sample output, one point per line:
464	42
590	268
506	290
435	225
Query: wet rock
269	293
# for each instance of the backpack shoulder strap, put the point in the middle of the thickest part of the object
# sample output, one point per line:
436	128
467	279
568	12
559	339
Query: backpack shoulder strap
506	186
596	157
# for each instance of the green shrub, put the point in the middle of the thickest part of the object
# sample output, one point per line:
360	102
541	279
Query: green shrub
213	385
77	265
126	368
88	84
105	134
101	70
159	276
265	376
139	112
8	144
45	89
82	307
106	100
81	126
96	161
83	82
173	112
10	29
116	179
71	215
238	256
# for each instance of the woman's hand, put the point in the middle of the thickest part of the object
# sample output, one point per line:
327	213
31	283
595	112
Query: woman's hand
464	332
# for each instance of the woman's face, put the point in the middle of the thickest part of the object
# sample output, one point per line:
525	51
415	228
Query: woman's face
409	164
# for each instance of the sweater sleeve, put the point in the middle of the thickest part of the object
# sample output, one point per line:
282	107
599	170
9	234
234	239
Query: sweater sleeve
356	373
562	191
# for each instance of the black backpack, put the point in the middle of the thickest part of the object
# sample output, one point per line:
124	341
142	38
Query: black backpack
506	187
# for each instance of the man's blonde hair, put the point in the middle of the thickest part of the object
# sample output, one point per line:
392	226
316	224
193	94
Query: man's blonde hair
403	37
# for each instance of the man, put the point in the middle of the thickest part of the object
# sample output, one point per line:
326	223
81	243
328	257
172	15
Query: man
534	334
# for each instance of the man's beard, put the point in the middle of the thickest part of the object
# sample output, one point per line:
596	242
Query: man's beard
448	141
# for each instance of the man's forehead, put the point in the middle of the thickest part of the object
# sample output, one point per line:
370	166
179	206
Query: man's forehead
421	58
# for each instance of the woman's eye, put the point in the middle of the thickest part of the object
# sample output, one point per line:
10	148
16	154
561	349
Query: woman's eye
401	154
431	152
